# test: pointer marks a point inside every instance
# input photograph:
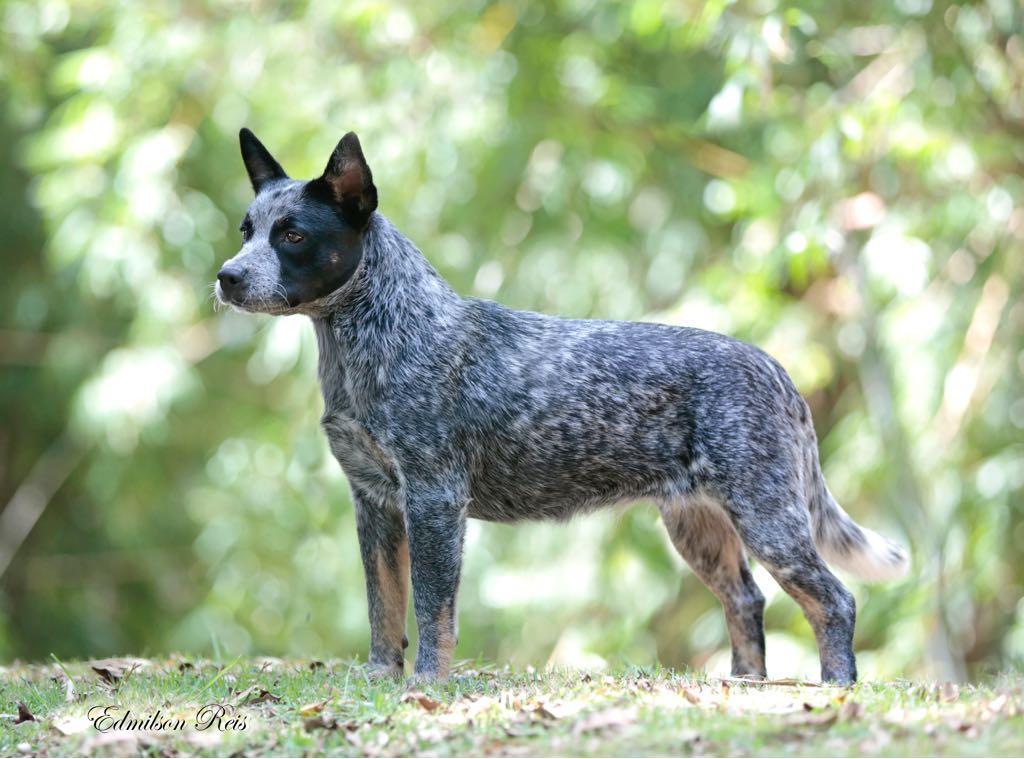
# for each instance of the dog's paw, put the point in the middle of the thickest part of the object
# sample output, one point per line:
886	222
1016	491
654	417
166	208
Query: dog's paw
378	671
423	679
749	675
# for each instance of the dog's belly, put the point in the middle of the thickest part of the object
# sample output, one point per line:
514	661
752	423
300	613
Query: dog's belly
514	482
505	503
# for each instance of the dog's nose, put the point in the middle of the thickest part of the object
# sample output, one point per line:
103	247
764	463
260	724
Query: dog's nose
230	277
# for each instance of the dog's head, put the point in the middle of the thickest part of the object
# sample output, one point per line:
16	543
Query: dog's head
301	241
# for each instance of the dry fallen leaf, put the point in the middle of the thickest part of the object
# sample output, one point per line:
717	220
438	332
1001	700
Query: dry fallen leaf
540	711
691	696
688	736
270	663
425	701
24	715
949	692
603	720
822	718
479	704
785	682
968	728
319	722
310	710
850	711
254	694
67	683
71	725
524	730
113	670
326	722
998	703
69	689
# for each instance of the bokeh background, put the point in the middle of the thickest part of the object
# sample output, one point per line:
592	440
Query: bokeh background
841	183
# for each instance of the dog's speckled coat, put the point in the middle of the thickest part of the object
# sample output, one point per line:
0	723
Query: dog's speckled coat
440	407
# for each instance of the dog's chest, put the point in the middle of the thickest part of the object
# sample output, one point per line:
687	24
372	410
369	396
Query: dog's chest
368	466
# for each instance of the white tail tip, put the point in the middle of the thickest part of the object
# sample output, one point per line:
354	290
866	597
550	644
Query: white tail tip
878	559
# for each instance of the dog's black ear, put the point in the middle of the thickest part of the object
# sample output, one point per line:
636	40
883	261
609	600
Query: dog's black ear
258	162
350	182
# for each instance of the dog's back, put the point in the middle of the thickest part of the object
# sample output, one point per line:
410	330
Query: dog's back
563	415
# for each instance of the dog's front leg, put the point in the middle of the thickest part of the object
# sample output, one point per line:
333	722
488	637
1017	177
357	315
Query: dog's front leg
436	524
385	552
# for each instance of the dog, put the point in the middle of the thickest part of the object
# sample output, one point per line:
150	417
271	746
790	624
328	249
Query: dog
440	408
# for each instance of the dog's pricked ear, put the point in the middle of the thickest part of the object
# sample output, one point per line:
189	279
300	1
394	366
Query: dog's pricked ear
349	179
259	163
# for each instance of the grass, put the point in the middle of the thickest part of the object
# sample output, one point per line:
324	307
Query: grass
296	708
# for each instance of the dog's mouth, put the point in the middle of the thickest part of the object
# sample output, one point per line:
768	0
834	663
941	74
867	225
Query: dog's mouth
244	301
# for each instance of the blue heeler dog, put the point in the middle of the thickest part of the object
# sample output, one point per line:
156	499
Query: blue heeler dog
440	408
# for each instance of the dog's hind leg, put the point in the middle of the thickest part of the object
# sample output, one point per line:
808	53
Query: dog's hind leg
705	538
774	526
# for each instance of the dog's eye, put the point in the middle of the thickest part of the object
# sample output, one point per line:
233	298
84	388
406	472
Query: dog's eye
292	237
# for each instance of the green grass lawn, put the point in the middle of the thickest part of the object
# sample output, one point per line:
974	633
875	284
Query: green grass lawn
307	708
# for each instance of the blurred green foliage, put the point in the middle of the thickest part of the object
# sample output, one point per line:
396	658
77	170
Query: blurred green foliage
840	183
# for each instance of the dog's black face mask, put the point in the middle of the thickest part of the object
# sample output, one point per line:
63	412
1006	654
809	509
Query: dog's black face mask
301	241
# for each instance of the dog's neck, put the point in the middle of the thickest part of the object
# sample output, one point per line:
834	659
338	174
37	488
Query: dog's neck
395	310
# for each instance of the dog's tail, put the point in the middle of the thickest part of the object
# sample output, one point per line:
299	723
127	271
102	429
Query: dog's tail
845	544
